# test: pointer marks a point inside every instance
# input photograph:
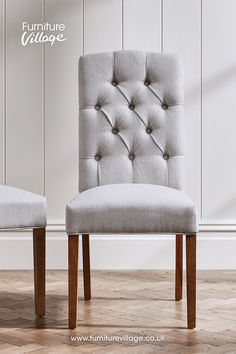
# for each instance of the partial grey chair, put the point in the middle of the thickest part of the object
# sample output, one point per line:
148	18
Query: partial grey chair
24	210
131	161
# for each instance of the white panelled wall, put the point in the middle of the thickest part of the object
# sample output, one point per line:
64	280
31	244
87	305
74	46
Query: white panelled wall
39	118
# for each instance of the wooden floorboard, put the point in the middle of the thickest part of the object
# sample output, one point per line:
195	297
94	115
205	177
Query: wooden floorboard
124	303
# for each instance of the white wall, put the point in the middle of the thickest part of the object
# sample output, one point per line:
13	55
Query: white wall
38	121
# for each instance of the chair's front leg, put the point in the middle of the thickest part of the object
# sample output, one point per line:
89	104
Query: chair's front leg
39	270
191	279
178	267
86	267
73	246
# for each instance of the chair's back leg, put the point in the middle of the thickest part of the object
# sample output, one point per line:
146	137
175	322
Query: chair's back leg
191	279
73	246
39	270
86	267
178	267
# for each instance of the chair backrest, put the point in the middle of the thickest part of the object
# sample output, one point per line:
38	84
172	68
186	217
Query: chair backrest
130	119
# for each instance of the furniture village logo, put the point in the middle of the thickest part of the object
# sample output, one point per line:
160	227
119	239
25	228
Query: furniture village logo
42	33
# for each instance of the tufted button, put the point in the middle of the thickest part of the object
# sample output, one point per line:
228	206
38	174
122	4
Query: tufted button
148	130
147	82
131	107
115	130
165	156
97	157
97	107
131	156
164	106
114	83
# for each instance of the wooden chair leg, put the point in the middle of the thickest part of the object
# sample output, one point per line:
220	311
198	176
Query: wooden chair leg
39	270
86	267
191	279
73	246
178	267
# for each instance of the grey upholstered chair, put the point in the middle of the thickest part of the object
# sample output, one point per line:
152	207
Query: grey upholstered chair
131	161
24	210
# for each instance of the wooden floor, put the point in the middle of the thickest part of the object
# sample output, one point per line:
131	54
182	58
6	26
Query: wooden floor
124	303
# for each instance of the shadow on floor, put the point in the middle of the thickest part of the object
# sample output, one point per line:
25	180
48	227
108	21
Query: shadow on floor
17	311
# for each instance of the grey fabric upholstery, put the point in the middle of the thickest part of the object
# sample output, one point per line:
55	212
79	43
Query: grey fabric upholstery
131	146
21	209
130	121
131	208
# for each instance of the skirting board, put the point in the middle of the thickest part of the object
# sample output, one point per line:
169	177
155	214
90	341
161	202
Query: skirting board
215	250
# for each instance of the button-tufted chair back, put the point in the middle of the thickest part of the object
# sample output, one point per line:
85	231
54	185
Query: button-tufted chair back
130	120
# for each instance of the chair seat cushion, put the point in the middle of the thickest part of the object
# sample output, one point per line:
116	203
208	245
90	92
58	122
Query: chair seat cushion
19	209
131	208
